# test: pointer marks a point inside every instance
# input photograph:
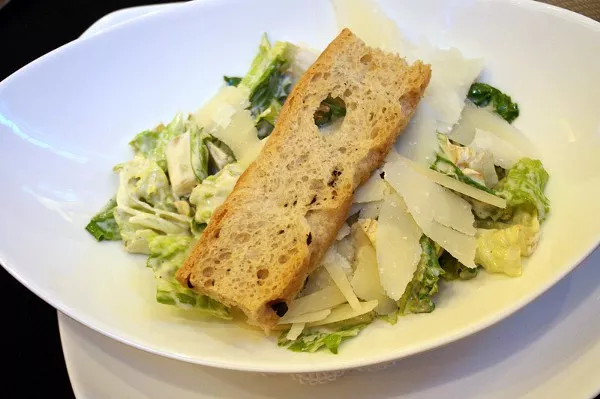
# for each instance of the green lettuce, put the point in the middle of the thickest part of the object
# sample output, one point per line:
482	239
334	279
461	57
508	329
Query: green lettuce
211	193
145	205
269	83
417	297
103	225
152	144
167	254
330	110
482	95
454	270
524	186
313	340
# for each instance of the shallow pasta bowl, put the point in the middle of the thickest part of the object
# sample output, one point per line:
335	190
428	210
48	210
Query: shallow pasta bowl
65	120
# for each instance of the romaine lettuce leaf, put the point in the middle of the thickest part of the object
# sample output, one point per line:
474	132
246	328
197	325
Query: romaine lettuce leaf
167	254
212	192
153	143
482	94
417	297
145	205
454	270
524	186
499	251
103	225
313	340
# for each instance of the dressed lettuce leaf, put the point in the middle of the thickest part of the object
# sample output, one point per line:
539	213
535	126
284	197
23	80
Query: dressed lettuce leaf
145	205
482	95
152	144
417	297
454	270
167	254
211	193
313	340
524	186
103	225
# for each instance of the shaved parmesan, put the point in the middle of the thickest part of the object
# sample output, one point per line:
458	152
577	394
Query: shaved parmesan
305	318
504	153
339	277
428	199
459	186
460	246
398	248
369	227
320	300
344	231
418	142
240	135
219	110
365	279
370	210
371	190
345	312
295	331
480	118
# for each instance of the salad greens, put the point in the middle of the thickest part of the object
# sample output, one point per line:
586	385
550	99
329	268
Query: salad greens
180	173
313	340
417	297
482	95
103	225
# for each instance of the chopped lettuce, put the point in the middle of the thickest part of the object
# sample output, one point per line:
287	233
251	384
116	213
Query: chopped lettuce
199	155
417	297
103	225
466	164
269	83
167	254
501	246
524	186
152	144
232	80
212	192
145	205
454	270
313	340
482	95
220	154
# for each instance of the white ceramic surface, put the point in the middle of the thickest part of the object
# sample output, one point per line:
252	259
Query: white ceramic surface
549	350
74	110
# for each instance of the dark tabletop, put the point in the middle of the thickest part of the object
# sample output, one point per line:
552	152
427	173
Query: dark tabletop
32	351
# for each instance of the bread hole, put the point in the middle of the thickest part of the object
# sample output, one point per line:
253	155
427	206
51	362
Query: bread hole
217	232
335	174
282	259
316	77
207	271
209	283
281	232
347	93
308	238
262	274
279	307
371	116
326	75
314	199
342	150
329	111
189	283
352	106
365	59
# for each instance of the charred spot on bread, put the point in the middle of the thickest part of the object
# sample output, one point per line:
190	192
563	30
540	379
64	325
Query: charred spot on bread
309	238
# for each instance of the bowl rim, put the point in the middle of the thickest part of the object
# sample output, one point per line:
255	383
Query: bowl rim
276	368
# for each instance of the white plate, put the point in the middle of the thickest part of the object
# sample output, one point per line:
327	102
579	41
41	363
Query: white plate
74	110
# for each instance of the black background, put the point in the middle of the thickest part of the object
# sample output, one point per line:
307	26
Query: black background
31	350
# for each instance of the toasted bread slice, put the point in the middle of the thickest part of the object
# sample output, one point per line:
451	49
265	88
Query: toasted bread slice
286	208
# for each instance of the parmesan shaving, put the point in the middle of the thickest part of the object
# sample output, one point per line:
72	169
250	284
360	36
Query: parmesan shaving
398	248
371	190
320	300
295	331
428	199
459	186
241	136
219	110
345	312
305	318
504	153
365	280
340	279
370	210
343	232
460	246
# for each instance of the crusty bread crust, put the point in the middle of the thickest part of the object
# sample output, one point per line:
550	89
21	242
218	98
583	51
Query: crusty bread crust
284	213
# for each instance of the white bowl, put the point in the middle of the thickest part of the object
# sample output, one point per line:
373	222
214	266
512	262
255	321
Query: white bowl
65	120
